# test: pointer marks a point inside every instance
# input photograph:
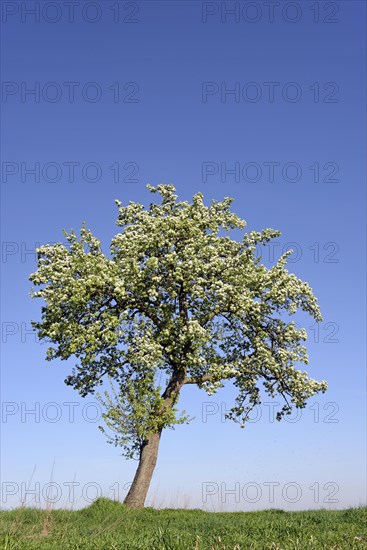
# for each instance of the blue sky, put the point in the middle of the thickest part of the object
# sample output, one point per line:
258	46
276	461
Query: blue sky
270	112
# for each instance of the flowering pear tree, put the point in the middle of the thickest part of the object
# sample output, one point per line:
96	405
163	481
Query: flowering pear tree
177	302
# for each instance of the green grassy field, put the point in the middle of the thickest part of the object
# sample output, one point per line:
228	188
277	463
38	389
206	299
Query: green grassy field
109	525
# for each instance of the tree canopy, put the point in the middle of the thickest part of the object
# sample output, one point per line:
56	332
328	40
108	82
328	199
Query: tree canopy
176	302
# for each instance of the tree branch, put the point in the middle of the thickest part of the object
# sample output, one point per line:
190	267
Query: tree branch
143	309
210	378
206	378
121	364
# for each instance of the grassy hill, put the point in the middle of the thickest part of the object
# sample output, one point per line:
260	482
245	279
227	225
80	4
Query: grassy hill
110	525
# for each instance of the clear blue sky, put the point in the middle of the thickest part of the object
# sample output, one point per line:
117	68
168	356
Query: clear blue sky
146	90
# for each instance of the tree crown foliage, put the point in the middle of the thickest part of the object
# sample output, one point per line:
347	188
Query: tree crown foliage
178	300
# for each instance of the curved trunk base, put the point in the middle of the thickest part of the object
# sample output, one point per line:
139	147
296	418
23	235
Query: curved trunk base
140	485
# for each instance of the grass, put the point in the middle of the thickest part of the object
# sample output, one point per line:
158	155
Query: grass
109	525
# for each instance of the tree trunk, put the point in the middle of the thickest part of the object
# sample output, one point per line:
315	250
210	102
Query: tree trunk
135	498
140	485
